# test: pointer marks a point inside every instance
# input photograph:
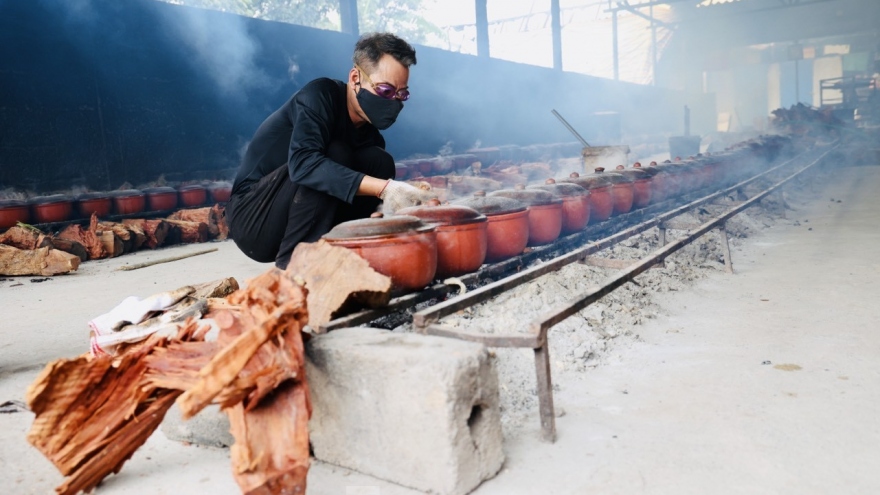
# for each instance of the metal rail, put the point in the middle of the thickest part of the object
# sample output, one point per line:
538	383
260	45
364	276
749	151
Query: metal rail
536	338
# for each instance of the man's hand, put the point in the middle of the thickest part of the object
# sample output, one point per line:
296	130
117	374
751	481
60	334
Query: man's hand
397	195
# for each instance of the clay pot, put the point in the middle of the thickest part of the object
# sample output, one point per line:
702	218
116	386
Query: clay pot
575	204
98	203
659	186
461	236
642	187
161	198
51	209
128	201
545	213
13	211
601	203
401	171
673	179
402	247
507	226
220	191
192	195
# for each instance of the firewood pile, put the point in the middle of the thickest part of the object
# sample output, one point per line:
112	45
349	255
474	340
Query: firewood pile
25	250
94	412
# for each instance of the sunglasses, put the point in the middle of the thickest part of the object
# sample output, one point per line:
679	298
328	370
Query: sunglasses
386	90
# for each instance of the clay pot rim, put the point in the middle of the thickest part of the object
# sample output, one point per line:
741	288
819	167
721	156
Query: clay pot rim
531	197
492	205
51	199
127	193
159	190
191	187
12	203
448	214
92	196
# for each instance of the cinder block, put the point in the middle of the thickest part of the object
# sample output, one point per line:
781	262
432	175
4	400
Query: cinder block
417	410
209	428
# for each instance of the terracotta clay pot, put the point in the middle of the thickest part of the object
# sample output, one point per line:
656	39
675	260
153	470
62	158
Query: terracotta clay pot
659	188
545	213
402	247
128	201
13	211
601	203
161	198
462	236
507	226
99	203
51	209
673	179
192	195
463	185
575	204
642	189
401	171
220	191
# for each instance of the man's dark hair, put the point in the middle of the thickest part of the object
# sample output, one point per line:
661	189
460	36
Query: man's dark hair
371	46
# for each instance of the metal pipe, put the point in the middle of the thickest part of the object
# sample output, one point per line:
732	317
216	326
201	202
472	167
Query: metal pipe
482	24
570	128
348	16
615	54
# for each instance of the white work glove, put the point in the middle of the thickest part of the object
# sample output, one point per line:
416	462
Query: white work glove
397	195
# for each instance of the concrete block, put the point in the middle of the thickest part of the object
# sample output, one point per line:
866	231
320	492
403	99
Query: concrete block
209	428
416	410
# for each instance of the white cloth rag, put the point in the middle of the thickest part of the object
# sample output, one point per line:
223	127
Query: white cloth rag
131	311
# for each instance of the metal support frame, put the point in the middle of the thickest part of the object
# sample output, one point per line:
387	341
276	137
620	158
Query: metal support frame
556	30
426	321
615	51
482	24
348	16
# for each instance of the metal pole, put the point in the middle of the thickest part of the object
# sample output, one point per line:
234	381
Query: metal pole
615	53
482	22
653	46
570	128
556	28
797	82
348	16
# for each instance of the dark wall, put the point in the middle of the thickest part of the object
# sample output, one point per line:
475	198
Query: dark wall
96	93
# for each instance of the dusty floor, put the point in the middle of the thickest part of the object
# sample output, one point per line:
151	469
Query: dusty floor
687	405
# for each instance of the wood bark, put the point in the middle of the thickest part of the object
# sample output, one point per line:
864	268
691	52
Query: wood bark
222	226
72	247
113	245
335	276
156	231
132	236
185	232
43	261
210	216
93	413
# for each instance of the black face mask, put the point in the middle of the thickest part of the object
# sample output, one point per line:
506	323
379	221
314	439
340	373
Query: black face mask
381	112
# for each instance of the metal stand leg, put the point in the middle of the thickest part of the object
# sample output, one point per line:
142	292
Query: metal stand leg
725	245
545	393
783	203
662	264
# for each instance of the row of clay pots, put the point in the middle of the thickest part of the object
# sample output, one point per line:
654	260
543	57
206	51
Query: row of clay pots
61	208
422	167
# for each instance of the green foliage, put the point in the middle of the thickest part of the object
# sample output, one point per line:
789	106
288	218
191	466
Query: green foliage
397	16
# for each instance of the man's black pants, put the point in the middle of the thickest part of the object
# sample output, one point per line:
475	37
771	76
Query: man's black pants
274	215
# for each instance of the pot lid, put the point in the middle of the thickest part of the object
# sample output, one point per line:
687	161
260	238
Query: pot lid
492	205
633	173
126	193
563	189
378	227
159	190
51	199
12	203
191	187
589	181
434	212
650	171
93	195
614	177
531	197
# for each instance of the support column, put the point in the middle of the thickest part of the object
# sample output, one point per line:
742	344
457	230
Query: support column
556	28
482	22
614	49
348	14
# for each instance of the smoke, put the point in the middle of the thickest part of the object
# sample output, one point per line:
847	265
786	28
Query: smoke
221	46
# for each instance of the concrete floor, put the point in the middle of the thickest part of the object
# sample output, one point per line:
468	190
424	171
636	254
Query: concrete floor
689	408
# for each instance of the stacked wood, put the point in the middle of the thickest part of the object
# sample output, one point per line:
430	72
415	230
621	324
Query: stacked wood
155	230
43	261
182	231
87	237
93	413
25	237
72	247
212	217
131	237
